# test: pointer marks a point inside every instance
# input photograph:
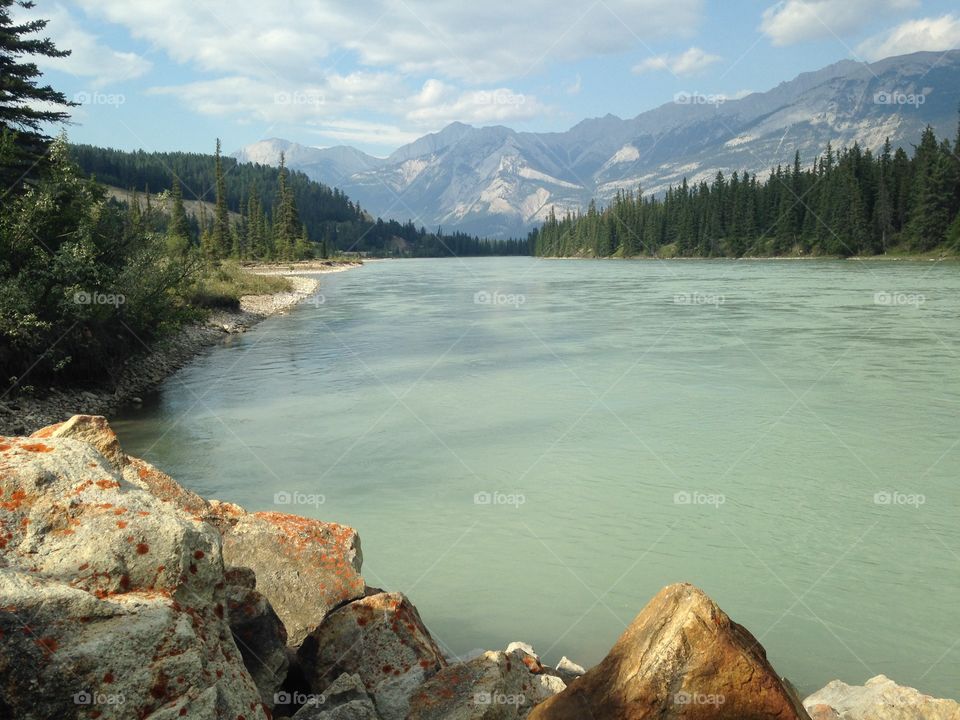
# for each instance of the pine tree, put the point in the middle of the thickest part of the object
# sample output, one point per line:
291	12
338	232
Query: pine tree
25	105
221	221
931	199
179	226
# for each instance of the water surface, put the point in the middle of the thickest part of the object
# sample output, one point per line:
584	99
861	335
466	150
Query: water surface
537	466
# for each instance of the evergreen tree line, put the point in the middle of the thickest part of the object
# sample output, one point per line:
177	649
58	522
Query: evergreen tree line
846	203
283	214
154	171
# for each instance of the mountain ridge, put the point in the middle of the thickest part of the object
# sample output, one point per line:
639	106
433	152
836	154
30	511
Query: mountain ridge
496	181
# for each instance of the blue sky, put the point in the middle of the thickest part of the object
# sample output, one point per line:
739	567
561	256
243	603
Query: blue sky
375	74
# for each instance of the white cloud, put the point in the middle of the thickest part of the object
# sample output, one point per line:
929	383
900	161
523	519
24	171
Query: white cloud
89	58
794	21
575	86
365	133
937	34
473	42
689	62
329	103
438	104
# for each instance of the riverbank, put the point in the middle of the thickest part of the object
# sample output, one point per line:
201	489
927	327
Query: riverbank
142	373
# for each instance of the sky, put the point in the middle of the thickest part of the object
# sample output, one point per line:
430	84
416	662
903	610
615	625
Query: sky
376	74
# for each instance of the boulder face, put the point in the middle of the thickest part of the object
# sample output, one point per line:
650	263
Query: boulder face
156	482
494	686
681	657
382	640
879	699
304	567
257	632
111	599
345	699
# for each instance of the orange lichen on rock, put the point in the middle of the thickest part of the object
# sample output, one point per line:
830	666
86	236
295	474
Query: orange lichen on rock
17	498
47	431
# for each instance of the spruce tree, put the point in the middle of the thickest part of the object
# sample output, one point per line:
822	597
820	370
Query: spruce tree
221	220
179	226
25	105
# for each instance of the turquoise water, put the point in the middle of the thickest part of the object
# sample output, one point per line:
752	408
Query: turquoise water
535	468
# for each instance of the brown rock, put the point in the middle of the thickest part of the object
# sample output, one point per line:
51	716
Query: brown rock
381	639
304	567
681	657
91	429
822	712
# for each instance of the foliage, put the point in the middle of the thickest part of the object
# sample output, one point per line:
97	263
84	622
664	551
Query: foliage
846	203
221	285
331	220
82	285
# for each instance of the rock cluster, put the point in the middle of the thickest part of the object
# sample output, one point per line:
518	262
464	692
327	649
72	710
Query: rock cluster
124	595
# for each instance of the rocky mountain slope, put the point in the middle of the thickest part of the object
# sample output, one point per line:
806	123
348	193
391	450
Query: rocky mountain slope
497	182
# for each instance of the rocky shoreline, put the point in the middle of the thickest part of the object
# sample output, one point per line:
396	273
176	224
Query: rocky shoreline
124	595
143	373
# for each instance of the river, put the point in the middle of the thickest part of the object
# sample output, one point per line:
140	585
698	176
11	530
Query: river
530	449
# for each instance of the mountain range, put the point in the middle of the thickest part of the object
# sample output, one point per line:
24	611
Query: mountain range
497	182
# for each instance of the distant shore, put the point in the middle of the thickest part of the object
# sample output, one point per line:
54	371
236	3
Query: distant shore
143	373
851	258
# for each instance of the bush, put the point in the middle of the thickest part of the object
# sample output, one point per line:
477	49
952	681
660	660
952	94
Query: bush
81	287
222	285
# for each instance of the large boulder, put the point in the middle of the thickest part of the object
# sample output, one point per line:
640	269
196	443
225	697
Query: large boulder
304	567
112	601
381	639
879	699
494	686
258	633
681	657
